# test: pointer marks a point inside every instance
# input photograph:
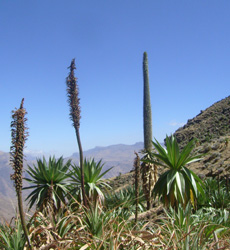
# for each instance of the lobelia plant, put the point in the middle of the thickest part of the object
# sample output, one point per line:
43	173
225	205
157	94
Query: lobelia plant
93	177
75	110
19	135
49	183
178	185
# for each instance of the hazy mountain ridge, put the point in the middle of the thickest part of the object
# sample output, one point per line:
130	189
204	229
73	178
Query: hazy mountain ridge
8	199
120	157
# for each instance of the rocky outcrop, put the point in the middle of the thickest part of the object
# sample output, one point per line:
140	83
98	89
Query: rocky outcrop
209	124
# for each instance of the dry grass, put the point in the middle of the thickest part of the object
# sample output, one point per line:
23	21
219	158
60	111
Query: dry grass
106	230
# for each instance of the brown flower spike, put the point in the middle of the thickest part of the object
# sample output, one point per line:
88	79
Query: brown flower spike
19	135
74	103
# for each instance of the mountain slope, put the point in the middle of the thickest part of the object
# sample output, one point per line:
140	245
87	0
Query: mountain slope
211	128
211	123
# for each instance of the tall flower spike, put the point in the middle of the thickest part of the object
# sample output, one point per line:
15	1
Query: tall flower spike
19	135
147	169
73	99
75	110
147	113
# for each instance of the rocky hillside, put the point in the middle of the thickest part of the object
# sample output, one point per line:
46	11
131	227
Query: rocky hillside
211	128
216	159
212	123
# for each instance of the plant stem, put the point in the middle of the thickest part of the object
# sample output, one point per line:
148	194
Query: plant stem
81	167
137	181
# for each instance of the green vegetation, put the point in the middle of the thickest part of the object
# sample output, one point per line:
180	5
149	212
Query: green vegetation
201	229
49	183
93	180
124	202
111	226
12	237
75	208
178	185
217	194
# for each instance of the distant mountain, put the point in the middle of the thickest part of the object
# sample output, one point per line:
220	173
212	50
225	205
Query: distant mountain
5	172
6	187
120	157
7	192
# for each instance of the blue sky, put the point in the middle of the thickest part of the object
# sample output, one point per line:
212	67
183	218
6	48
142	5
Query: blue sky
188	46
